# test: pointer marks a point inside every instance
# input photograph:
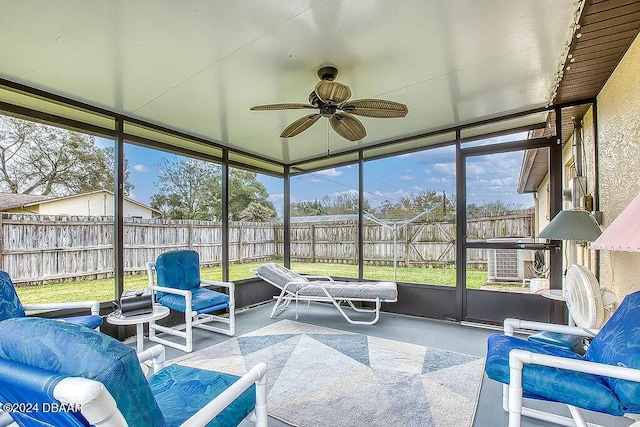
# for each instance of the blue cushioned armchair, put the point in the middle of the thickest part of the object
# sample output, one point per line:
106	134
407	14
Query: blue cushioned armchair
10	306
59	374
605	379
177	285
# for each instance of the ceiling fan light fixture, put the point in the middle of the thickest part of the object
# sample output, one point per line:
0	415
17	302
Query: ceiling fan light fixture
331	98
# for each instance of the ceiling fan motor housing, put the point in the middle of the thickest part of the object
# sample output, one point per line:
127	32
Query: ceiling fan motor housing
328	73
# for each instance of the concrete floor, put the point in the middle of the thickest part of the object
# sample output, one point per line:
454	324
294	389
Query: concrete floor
432	333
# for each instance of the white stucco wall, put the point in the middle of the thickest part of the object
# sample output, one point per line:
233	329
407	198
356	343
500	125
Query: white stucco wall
619	160
94	204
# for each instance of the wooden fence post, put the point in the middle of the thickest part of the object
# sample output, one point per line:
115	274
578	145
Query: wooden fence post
240	231
313	243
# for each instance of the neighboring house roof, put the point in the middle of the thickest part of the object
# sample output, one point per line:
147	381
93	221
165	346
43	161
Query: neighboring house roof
12	201
325	218
535	166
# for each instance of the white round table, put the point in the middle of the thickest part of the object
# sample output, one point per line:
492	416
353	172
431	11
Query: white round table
555	294
159	312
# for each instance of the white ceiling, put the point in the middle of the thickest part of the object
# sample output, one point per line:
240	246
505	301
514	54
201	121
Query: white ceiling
197	66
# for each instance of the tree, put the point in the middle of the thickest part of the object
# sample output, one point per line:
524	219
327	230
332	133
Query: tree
495	208
306	208
189	189
257	212
437	204
192	189
244	189
342	203
40	159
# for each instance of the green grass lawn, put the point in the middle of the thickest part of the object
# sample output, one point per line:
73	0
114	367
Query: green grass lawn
103	289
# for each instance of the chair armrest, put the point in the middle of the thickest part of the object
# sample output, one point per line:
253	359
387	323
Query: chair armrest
315	276
257	374
156	354
518	358
227	285
303	283
92	398
93	305
510	325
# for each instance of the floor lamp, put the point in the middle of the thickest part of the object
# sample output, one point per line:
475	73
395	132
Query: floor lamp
575	225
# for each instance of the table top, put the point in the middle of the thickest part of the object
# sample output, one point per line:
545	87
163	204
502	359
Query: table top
556	294
159	312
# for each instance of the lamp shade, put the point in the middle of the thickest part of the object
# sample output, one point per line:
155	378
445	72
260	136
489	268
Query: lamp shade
623	234
572	225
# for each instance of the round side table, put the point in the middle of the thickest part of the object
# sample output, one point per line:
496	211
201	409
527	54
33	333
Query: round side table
159	312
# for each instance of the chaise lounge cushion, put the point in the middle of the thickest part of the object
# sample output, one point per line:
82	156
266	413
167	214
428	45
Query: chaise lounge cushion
365	290
281	276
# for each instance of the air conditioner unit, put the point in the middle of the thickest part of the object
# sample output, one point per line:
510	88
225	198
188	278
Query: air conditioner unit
509	265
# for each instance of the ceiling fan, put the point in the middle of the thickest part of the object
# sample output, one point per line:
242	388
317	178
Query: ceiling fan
332	99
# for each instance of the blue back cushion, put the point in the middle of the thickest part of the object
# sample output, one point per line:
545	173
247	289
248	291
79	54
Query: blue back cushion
72	350
618	344
178	269
10	305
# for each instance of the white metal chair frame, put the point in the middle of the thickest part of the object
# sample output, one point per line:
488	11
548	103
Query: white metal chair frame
286	296
512	394
99	408
191	318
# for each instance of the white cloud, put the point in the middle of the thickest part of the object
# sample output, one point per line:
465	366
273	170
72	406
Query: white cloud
378	197
276	198
474	169
328	172
406	178
341	193
141	168
448	169
316	180
418	188
438	179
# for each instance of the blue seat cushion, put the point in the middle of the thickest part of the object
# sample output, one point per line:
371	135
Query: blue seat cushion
555	384
72	350
618	344
202	300
90	322
181	391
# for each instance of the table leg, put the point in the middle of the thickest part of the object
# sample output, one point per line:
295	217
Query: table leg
139	337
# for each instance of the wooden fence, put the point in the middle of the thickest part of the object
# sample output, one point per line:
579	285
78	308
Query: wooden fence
419	244
36	249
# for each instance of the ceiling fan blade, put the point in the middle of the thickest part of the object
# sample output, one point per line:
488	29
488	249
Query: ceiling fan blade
289	106
348	126
379	108
331	92
299	125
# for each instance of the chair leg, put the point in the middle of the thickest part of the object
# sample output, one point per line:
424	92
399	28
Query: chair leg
280	302
261	402
188	317
515	390
577	416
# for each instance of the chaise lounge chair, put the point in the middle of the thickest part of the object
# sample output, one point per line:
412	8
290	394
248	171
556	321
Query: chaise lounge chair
295	287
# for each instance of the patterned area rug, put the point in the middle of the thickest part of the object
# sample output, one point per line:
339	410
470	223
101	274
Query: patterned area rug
325	377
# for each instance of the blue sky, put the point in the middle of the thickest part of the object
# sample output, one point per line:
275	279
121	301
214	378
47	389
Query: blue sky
489	178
